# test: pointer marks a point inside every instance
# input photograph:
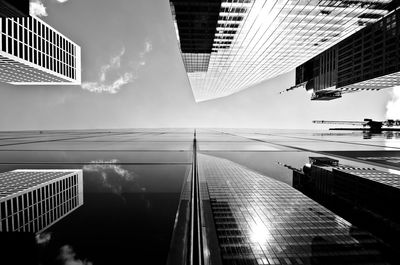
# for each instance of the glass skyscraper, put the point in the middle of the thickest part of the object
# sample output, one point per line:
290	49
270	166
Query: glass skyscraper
230	45
34	53
366	60
167	196
259	220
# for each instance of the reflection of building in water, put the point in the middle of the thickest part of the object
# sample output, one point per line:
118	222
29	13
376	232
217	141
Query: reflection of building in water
228	46
259	220
34	53
33	200
365	196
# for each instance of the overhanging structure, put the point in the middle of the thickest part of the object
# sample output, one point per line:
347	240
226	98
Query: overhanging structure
230	45
34	53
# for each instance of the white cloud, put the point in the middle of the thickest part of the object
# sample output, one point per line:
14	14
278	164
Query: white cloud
36	8
43	238
109	181
67	256
112	78
148	46
114	87
62	1
115	63
393	106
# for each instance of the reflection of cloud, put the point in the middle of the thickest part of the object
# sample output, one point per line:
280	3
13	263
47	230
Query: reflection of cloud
43	238
393	106
67	256
112	77
103	166
36	8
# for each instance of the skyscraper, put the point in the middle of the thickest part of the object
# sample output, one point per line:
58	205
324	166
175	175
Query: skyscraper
33	200
259	220
364	196
366	60
34	53
230	45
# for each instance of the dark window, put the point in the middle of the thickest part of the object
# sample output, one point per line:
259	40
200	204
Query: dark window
14	205
2	209
15	48
15	30
21	47
34	197
3	26
20	32
9	48
26	36
3	42
9	27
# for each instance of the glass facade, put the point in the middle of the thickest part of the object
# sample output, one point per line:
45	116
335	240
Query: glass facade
138	194
366	60
259	220
33	200
255	40
31	52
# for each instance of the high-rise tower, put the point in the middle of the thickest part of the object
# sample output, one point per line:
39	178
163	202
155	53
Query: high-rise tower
367	60
34	53
230	45
33	200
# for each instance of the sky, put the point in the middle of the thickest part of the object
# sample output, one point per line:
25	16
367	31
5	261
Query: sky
133	77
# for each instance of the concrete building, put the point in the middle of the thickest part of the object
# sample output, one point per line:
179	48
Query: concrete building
33	200
230	45
34	53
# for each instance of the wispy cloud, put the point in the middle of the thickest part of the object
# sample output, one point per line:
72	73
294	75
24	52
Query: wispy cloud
62	1
112	76
115	63
113	176
36	8
393	106
43	238
67	256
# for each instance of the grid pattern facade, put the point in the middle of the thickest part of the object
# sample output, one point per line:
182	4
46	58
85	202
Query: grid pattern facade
28	44
372	174
370	53
258	39
377	83
320	72
367	60
33	200
196	22
260	220
196	62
